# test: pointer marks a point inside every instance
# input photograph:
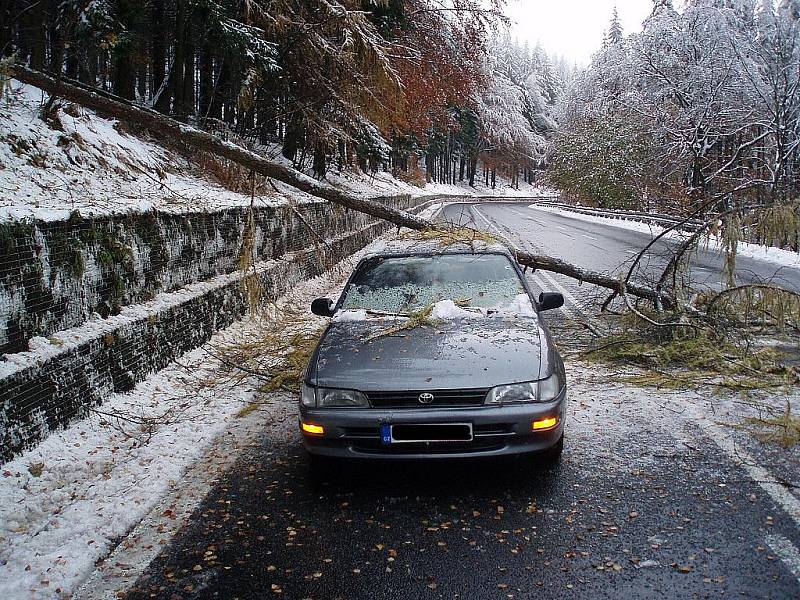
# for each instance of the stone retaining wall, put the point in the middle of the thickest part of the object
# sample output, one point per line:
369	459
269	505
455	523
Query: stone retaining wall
57	274
44	390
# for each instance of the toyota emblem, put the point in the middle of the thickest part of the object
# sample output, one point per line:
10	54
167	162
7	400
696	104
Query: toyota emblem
425	398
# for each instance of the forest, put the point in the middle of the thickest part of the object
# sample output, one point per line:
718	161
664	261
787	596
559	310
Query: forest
423	88
700	111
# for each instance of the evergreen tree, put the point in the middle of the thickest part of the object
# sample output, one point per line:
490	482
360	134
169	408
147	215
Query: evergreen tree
615	34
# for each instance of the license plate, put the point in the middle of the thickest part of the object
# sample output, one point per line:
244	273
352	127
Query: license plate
409	433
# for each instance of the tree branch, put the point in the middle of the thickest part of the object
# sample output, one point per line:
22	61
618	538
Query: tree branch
169	130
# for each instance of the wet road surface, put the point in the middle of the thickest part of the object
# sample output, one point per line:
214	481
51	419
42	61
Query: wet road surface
644	504
605	248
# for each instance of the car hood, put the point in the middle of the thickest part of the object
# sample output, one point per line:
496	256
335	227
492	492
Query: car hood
466	354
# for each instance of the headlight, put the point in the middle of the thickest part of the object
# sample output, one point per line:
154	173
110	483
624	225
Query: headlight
331	398
543	390
518	392
549	388
307	396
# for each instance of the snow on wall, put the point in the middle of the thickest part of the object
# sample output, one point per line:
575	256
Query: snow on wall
63	376
57	274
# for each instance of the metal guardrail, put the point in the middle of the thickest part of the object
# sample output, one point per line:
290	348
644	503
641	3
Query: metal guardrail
553	200
628	215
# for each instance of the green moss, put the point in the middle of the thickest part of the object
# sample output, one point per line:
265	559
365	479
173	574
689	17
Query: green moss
11	232
114	253
78	263
7	241
105	259
88	235
65	249
146	225
75	219
117	285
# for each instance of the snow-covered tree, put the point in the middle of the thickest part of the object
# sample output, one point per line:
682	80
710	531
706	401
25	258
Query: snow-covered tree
614	35
715	87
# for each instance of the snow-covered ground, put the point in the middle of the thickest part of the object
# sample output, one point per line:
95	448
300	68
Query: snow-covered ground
65	504
90	164
778	256
83	162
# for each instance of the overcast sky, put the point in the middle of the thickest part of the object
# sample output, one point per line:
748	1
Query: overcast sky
573	28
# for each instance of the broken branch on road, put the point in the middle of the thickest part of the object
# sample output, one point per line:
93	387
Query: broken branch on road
170	131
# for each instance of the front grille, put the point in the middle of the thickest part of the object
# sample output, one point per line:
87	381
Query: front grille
498	429
375	447
441	398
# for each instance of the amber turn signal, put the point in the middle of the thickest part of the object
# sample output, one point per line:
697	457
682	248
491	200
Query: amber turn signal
548	423
312	429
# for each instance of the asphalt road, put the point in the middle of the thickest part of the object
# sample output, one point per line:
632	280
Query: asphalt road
607	249
645	504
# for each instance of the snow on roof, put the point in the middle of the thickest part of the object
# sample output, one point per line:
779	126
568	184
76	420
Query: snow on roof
409	243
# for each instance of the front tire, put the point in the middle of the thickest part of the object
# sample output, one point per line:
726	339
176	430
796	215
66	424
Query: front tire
552	456
320	467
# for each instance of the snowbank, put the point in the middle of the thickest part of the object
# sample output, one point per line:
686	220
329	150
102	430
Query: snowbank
778	256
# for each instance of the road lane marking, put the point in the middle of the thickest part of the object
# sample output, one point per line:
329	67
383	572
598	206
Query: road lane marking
577	314
588	236
770	484
487	221
787	552
779	493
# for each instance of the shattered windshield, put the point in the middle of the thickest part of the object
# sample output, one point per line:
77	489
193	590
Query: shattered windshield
402	285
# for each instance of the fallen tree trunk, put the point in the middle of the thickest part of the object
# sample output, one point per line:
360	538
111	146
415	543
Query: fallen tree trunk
170	130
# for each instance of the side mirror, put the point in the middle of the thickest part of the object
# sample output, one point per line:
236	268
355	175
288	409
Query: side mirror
322	307
550	300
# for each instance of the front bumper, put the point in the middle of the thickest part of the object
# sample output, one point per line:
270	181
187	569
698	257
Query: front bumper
497	431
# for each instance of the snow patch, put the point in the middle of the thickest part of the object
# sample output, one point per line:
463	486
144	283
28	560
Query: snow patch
65	504
448	310
778	256
344	316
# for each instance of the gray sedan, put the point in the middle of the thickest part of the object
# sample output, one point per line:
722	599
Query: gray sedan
435	352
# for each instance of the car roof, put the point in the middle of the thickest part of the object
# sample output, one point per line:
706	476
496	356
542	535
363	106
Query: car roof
410	244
